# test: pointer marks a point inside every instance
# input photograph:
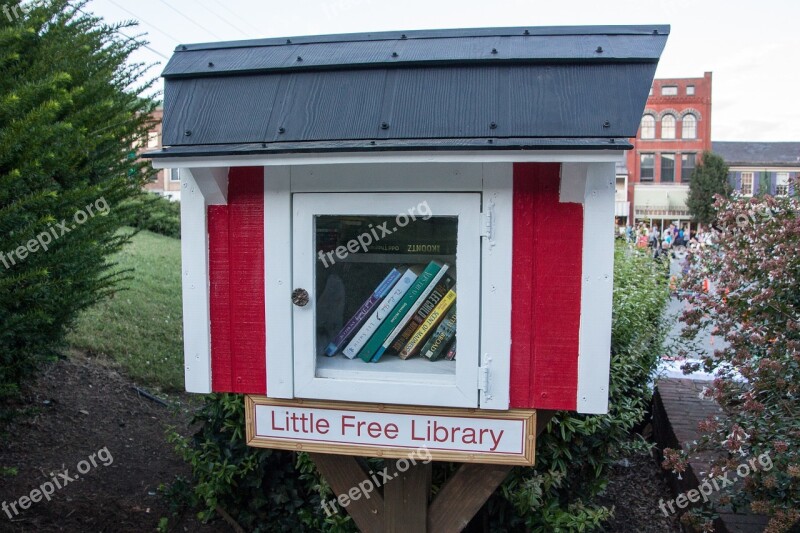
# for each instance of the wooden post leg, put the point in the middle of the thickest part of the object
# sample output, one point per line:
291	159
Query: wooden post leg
405	497
344	474
401	504
463	495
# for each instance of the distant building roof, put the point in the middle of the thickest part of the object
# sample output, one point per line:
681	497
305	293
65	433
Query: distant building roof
470	89
758	153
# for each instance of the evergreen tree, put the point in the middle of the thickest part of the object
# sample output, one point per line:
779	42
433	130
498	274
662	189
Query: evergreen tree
708	179
71	108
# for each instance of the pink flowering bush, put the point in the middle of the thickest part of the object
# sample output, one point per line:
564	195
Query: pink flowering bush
754	303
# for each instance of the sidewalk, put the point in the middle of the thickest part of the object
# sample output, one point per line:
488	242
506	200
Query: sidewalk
677	409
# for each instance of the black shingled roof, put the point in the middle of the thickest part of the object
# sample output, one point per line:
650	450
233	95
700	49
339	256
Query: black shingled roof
499	88
758	153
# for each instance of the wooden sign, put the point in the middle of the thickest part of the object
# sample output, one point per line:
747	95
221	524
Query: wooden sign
461	435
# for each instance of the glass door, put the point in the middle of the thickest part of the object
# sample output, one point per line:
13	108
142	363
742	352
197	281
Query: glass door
386	297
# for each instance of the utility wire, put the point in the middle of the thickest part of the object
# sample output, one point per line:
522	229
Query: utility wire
190	19
149	48
223	19
162	32
143	45
244	21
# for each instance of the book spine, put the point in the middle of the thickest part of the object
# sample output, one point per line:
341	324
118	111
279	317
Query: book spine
422	313
430	323
372	350
363	312
435	346
451	352
411	312
379	315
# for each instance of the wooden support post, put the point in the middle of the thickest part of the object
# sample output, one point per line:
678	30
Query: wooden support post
344	473
401	503
463	495
405	498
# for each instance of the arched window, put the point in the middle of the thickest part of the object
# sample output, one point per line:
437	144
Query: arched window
668	127
648	127
689	127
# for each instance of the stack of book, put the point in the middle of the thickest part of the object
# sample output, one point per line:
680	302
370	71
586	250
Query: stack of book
411	312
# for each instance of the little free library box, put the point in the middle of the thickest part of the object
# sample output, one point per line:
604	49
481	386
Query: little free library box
395	241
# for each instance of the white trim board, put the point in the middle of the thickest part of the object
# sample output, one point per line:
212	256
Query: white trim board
597	283
195	286
509	156
496	286
278	281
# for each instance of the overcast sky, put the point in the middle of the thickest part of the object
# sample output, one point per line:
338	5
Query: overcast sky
752	48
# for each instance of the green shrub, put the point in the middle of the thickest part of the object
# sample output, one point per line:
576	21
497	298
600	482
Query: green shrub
754	269
262	490
572	457
153	212
70	109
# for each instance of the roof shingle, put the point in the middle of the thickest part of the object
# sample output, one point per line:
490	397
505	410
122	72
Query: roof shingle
437	89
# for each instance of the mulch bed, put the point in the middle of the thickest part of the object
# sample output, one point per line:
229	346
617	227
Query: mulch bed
82	405
635	490
75	409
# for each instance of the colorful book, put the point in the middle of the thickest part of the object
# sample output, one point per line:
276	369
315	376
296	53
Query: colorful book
380	314
372	350
430	324
363	312
451	352
434	347
411	311
436	295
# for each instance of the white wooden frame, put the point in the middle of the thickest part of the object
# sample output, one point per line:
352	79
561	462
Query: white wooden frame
588	178
496	277
460	390
593	185
201	188
278	280
459	158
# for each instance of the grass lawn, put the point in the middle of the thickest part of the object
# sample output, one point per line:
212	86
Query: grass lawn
141	326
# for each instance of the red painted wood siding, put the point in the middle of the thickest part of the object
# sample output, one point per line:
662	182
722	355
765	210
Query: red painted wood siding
236	272
546	295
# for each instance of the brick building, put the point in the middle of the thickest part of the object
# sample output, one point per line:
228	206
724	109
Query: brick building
167	182
674	132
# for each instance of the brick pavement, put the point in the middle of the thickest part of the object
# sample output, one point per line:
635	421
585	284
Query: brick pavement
677	409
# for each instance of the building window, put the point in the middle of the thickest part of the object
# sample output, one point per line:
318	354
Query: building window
647	167
689	127
669	90
690	90
747	183
173	174
687	167
152	139
782	184
668	127
648	127
667	168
